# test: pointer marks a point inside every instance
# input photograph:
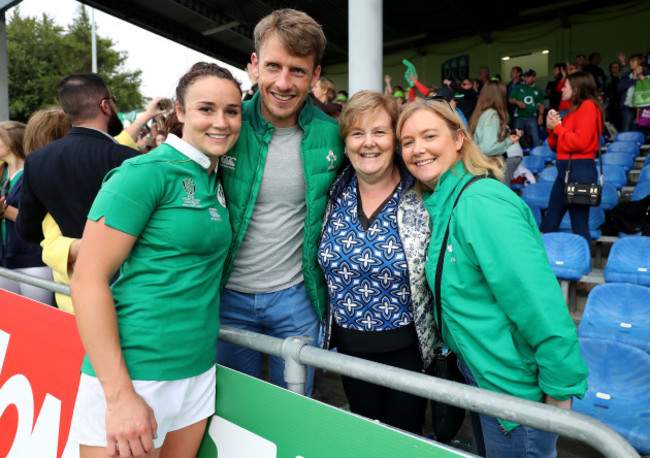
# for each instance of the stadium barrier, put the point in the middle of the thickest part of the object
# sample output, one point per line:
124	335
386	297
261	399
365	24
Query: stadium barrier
298	355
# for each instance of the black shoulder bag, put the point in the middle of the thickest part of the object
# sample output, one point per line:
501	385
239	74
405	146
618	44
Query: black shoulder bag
583	194
446	419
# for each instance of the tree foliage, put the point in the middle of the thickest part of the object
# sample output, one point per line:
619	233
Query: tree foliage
41	53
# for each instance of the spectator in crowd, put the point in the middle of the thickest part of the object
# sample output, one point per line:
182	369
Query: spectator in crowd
529	111
626	89
511	330
342	97
465	95
581	60
272	281
448	95
489	128
44	127
554	95
393	323
60	252
145	142
612	94
476	85
15	253
63	178
323	95
515	80
576	138
594	70
160	138
154	390
483	76
254	86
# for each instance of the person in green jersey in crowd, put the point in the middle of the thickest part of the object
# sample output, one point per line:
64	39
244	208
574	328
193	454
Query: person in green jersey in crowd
528	99
148	379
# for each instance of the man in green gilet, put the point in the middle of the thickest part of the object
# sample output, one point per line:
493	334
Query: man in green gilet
276	180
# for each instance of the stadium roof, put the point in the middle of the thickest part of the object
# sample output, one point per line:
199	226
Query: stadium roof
224	28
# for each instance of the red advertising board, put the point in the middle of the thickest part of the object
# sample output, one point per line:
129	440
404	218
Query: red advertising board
40	360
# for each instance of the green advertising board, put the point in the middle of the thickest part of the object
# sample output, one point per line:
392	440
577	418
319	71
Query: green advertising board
257	419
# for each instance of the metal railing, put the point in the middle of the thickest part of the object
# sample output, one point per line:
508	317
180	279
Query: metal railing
298	355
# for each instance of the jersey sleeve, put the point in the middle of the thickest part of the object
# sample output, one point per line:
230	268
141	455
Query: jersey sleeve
129	195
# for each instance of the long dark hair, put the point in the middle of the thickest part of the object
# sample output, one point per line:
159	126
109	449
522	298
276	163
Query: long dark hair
584	88
493	95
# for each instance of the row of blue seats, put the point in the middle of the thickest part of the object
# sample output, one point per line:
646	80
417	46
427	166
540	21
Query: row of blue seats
570	258
614	335
537	164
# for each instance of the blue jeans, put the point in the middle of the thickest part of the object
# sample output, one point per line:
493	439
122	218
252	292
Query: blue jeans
584	171
279	314
523	441
529	125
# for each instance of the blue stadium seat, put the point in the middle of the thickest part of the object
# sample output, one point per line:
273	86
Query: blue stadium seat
641	190
621	159
609	197
533	163
548	175
596	219
629	261
619	389
568	255
629	148
636	137
545	152
537	194
644	174
619	312
614	174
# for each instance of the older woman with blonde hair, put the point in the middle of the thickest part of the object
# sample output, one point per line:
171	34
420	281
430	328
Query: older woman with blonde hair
372	252
501	309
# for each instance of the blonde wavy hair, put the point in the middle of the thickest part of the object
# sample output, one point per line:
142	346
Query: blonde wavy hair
474	161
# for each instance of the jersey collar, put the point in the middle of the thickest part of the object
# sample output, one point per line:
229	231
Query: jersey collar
188	150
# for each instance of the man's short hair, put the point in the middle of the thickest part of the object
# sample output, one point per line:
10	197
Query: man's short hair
518	69
80	95
300	34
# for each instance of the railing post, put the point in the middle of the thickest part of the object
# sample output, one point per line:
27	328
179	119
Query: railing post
295	373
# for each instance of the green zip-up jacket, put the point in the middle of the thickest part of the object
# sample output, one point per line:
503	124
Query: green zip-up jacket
241	172
503	312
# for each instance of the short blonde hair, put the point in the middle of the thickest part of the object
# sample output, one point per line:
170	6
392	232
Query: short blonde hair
474	161
363	103
44	127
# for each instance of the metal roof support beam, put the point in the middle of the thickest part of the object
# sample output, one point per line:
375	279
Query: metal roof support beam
365	40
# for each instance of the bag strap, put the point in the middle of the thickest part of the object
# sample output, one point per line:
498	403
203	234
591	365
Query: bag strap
441	258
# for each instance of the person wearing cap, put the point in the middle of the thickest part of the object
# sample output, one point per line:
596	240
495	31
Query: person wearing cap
449	96
342	98
528	99
465	95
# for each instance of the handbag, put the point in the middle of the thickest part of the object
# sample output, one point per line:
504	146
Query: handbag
641	97
583	194
446	419
643	117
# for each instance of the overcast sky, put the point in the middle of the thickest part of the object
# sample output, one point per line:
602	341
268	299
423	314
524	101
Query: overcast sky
162	61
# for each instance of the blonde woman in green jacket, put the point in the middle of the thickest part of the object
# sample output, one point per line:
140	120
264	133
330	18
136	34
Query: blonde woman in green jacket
503	312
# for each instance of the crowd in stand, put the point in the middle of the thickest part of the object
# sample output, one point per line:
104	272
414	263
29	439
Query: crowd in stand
261	211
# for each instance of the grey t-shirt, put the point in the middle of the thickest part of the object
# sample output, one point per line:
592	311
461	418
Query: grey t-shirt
270	256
